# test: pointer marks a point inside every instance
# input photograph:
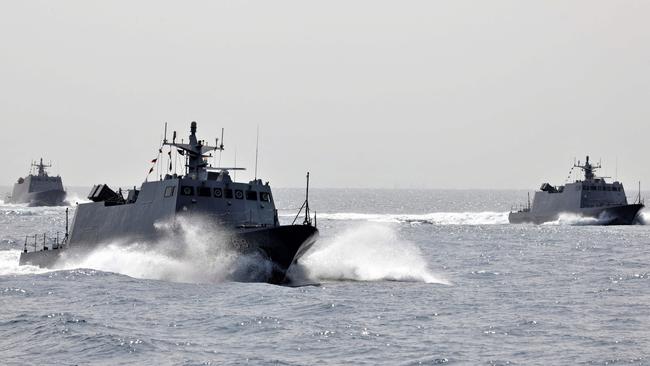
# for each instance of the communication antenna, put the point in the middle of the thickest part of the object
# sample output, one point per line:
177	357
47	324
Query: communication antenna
235	164
175	155
616	170
162	158
221	147
257	148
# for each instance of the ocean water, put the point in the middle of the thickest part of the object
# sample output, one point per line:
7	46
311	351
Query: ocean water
399	277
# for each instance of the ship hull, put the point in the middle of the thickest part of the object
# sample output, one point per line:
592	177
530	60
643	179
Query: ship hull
282	245
612	215
43	198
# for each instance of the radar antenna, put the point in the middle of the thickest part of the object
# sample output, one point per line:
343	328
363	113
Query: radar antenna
221	147
588	168
40	166
195	152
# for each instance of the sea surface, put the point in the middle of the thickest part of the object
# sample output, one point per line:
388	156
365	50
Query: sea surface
398	277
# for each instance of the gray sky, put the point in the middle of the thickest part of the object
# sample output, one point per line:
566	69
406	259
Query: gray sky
432	94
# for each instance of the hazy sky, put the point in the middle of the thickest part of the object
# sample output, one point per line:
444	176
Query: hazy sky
432	94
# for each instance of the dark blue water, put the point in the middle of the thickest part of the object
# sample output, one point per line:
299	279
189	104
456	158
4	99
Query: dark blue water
406	278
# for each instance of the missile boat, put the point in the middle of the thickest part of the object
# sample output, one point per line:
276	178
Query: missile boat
592	197
244	212
38	188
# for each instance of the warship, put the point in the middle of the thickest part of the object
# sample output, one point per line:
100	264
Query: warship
38	188
591	197
245	212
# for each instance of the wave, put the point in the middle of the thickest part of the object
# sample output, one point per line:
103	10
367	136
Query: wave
24	210
9	260
370	252
437	218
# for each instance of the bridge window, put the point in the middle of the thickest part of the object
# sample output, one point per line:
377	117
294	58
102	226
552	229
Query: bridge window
205	192
187	191
227	193
593	188
265	197
251	195
218	192
169	191
239	194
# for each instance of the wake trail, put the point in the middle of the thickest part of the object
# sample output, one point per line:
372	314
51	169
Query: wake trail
436	218
570	219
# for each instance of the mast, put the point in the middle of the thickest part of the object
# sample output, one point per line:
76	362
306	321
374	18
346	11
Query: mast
305	206
257	148
195	153
65	240
588	168
41	168
307	214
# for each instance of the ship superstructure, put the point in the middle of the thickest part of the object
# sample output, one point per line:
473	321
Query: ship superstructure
38	188
591	197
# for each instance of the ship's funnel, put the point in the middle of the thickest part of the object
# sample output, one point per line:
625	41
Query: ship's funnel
193	128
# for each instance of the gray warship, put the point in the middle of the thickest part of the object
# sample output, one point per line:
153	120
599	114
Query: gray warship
244	211
592	197
38	188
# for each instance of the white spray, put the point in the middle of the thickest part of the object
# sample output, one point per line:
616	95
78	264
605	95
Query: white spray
370	252
192	251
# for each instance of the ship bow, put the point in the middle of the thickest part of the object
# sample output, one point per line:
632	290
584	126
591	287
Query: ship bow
623	215
283	245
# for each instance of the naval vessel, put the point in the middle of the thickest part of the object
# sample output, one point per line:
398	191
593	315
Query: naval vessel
38	188
592	197
244	212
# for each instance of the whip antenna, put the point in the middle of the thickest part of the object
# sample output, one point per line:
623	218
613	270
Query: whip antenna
257	148
221	147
